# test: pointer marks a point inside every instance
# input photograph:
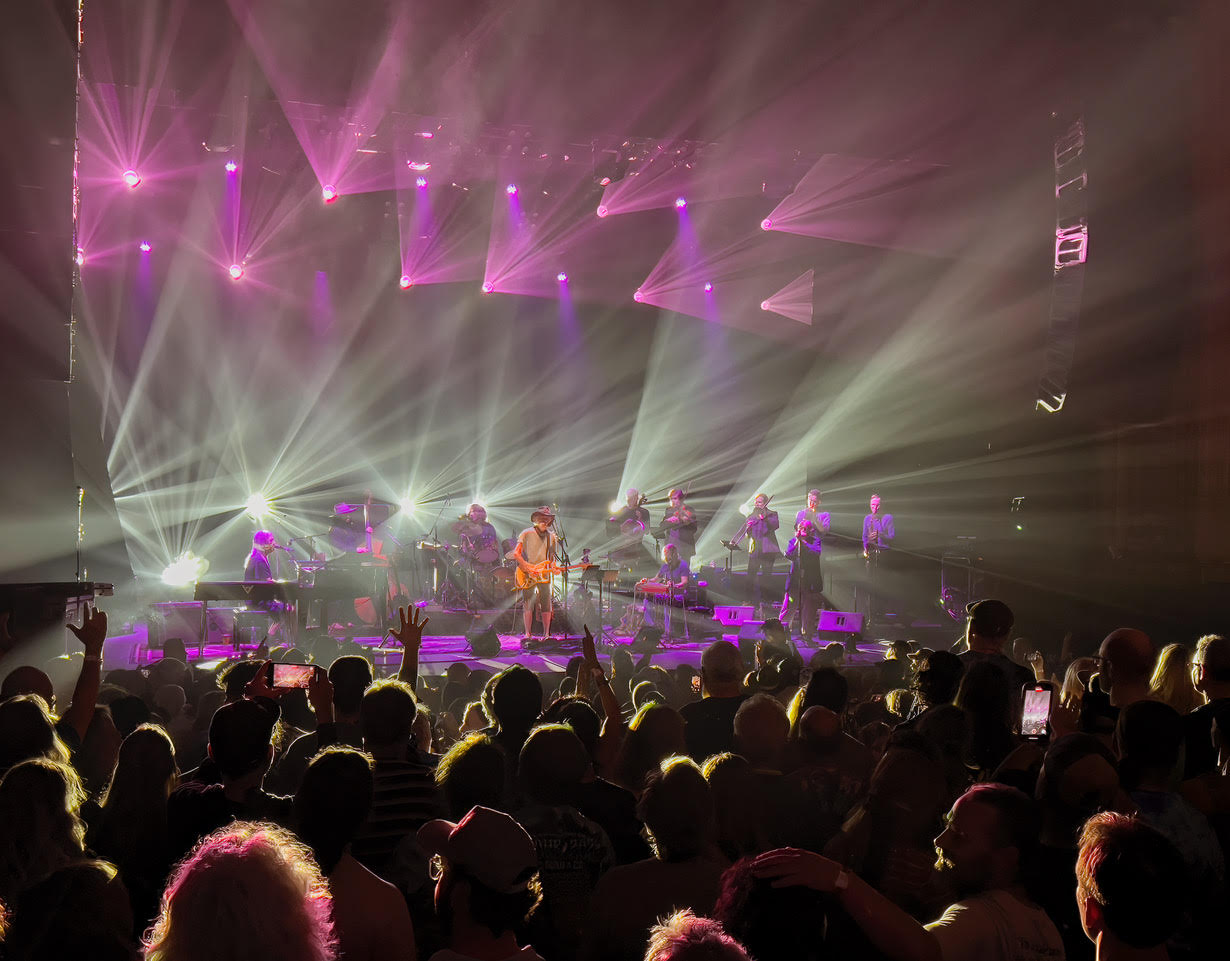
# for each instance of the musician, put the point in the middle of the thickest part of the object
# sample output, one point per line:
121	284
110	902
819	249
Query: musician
536	545
628	526
257	567
878	533
762	547
805	582
878	530
675	574
480	544
679	525
812	512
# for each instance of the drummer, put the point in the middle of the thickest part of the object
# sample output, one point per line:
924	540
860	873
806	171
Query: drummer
674	573
480	545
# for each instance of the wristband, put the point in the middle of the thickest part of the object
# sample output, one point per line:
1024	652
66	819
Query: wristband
93	659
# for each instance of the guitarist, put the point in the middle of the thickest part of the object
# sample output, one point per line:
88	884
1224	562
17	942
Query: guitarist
535	557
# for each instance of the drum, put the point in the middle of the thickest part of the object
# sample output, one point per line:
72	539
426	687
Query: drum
504	578
487	553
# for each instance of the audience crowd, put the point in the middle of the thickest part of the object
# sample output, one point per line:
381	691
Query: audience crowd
767	808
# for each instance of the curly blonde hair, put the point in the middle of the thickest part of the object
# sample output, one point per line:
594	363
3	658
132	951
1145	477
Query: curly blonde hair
248	892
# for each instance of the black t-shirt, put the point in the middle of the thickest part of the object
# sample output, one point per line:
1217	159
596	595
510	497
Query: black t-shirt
196	809
1201	758
711	725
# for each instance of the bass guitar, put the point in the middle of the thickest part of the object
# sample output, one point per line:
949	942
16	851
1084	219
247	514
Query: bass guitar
541	573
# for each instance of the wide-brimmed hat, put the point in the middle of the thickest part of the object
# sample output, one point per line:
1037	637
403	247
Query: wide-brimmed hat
544	512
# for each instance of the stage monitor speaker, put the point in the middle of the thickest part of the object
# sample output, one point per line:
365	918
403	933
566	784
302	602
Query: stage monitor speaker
647	639
181	619
841	622
483	641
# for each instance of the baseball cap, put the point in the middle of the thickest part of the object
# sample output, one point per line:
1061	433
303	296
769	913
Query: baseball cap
488	845
989	617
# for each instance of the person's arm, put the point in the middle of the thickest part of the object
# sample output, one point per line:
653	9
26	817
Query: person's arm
890	929
92	634
866	531
410	636
772	520
826	519
613	717
887	530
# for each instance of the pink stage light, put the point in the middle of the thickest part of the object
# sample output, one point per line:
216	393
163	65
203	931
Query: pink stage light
426	134
602	210
708	287
681	202
80	258
236	271
328	193
132	178
766	224
604	182
231	166
638	297
144	246
488	286
562	277
511	190
418	164
405	283
420	181
764	305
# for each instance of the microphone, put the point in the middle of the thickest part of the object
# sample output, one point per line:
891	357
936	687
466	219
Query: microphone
279	547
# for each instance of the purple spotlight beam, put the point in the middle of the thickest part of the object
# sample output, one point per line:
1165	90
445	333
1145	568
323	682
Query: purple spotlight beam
131	178
562	277
488	286
405	282
231	166
328	193
681	202
236	271
511	190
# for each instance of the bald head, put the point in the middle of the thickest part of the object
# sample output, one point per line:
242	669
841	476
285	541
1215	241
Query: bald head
761	729
819	728
721	669
1130	655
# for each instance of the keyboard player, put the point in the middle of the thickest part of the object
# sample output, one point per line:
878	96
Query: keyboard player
258	568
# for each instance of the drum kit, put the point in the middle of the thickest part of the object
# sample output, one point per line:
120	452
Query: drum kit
474	572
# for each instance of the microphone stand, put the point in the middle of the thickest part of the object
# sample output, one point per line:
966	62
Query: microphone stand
563	553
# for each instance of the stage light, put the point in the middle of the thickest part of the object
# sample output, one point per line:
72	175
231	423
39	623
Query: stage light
604	182
708	287
184	570
80	258
420	181
602	210
144	246
257	506
231	166
681	202
406	504
132	178
638	297
328	193
562	277
418	164
235	270
766	224
488	286
764	305
616	506
511	190
425	134
405	283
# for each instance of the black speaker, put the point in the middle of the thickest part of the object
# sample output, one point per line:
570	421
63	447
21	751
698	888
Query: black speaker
483	641
647	639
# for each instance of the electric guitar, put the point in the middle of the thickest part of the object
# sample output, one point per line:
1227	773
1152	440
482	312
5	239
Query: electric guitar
541	573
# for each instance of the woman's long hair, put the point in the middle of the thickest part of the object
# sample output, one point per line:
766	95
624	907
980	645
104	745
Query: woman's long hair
40	831
131	829
1172	679
248	892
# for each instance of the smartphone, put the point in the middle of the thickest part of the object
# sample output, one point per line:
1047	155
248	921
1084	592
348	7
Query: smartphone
695	683
1036	711
290	675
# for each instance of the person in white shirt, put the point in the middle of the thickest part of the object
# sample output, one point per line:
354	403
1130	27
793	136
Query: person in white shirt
991	832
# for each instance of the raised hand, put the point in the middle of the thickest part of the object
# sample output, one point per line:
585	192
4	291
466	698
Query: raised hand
93	630
791	867
320	695
259	685
410	634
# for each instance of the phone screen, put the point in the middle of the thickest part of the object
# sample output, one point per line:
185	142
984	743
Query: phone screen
1036	713
695	683
292	675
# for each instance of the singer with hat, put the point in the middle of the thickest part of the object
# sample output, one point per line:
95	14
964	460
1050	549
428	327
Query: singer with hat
534	553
